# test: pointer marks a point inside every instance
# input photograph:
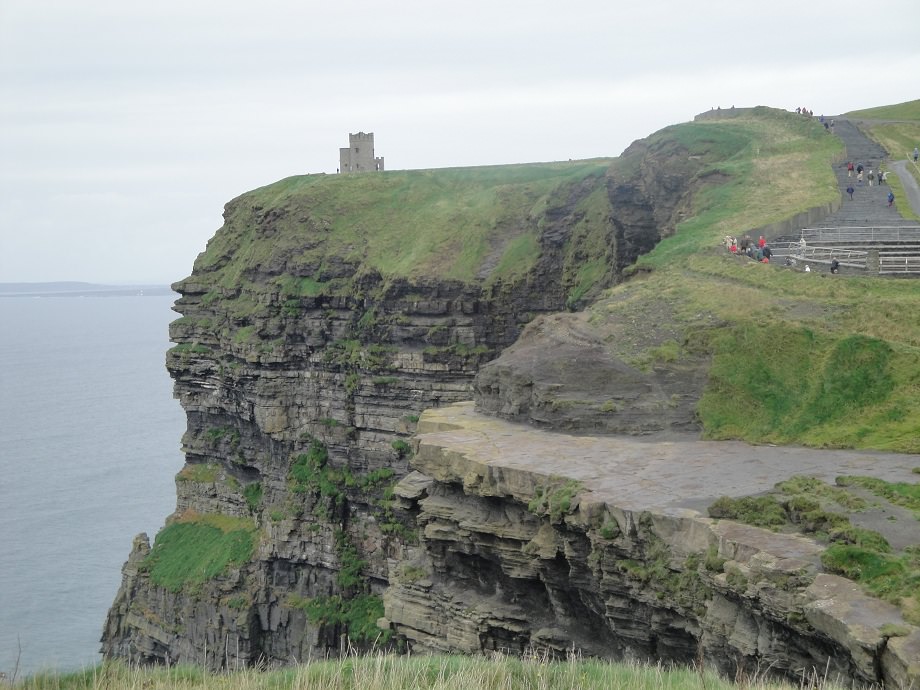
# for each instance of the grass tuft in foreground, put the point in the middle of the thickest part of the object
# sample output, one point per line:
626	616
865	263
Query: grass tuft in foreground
384	672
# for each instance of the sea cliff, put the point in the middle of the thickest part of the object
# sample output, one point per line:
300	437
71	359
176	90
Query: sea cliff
313	514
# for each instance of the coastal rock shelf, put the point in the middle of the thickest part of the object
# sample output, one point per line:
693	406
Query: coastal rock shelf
543	540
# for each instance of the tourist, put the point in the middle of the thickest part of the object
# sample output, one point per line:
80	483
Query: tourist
835	266
916	153
850	169
761	242
859	168
882	177
807	268
767	253
850	191
859	176
890	199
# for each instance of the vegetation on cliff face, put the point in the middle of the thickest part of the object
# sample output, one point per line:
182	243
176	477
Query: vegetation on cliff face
196	548
831	514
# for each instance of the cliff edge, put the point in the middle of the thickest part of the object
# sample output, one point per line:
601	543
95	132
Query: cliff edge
590	297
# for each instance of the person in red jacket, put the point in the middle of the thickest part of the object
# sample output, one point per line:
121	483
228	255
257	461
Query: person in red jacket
761	242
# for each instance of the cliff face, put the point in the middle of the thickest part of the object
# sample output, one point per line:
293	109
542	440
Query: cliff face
552	542
324	318
303	371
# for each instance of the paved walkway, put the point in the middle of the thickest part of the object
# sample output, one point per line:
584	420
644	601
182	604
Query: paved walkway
674	477
911	188
869	206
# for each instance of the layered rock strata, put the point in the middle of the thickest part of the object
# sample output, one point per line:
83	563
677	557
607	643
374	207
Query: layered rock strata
554	543
302	373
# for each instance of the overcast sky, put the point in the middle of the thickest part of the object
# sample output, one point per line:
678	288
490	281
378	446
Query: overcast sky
125	126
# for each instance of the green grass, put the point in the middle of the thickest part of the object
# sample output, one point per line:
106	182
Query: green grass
357	615
761	511
556	499
253	495
205	473
900	196
909	110
900	493
388	672
809	506
892	577
197	548
400	224
742	185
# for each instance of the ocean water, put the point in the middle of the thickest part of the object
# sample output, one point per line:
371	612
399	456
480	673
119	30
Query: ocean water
89	448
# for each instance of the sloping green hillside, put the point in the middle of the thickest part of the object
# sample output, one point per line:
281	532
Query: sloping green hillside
796	358
909	110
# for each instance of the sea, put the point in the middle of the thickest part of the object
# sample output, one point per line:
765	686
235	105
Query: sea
89	449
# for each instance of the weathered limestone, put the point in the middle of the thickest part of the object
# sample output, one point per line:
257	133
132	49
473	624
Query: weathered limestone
622	568
262	375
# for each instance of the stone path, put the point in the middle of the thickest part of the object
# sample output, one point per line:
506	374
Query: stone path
673	477
869	206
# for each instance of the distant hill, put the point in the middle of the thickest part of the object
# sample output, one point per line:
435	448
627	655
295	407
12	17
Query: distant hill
79	289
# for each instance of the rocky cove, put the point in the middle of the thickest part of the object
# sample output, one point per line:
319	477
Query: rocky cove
338	490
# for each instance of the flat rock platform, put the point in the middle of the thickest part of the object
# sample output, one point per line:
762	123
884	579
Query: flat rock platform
677	476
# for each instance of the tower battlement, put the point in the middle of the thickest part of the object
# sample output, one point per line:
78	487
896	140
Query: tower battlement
359	156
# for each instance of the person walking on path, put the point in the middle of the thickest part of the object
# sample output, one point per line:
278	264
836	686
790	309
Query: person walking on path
871	177
850	169
850	191
916	153
890	199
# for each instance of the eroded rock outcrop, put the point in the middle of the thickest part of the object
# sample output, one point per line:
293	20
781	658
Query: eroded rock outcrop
583	371
312	339
611	562
302	370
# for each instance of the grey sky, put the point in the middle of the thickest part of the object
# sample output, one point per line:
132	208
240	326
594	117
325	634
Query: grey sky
125	126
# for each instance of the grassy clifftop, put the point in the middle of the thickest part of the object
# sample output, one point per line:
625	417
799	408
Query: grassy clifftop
467	224
796	357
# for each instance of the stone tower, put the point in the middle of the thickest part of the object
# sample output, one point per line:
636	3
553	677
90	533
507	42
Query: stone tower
359	156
